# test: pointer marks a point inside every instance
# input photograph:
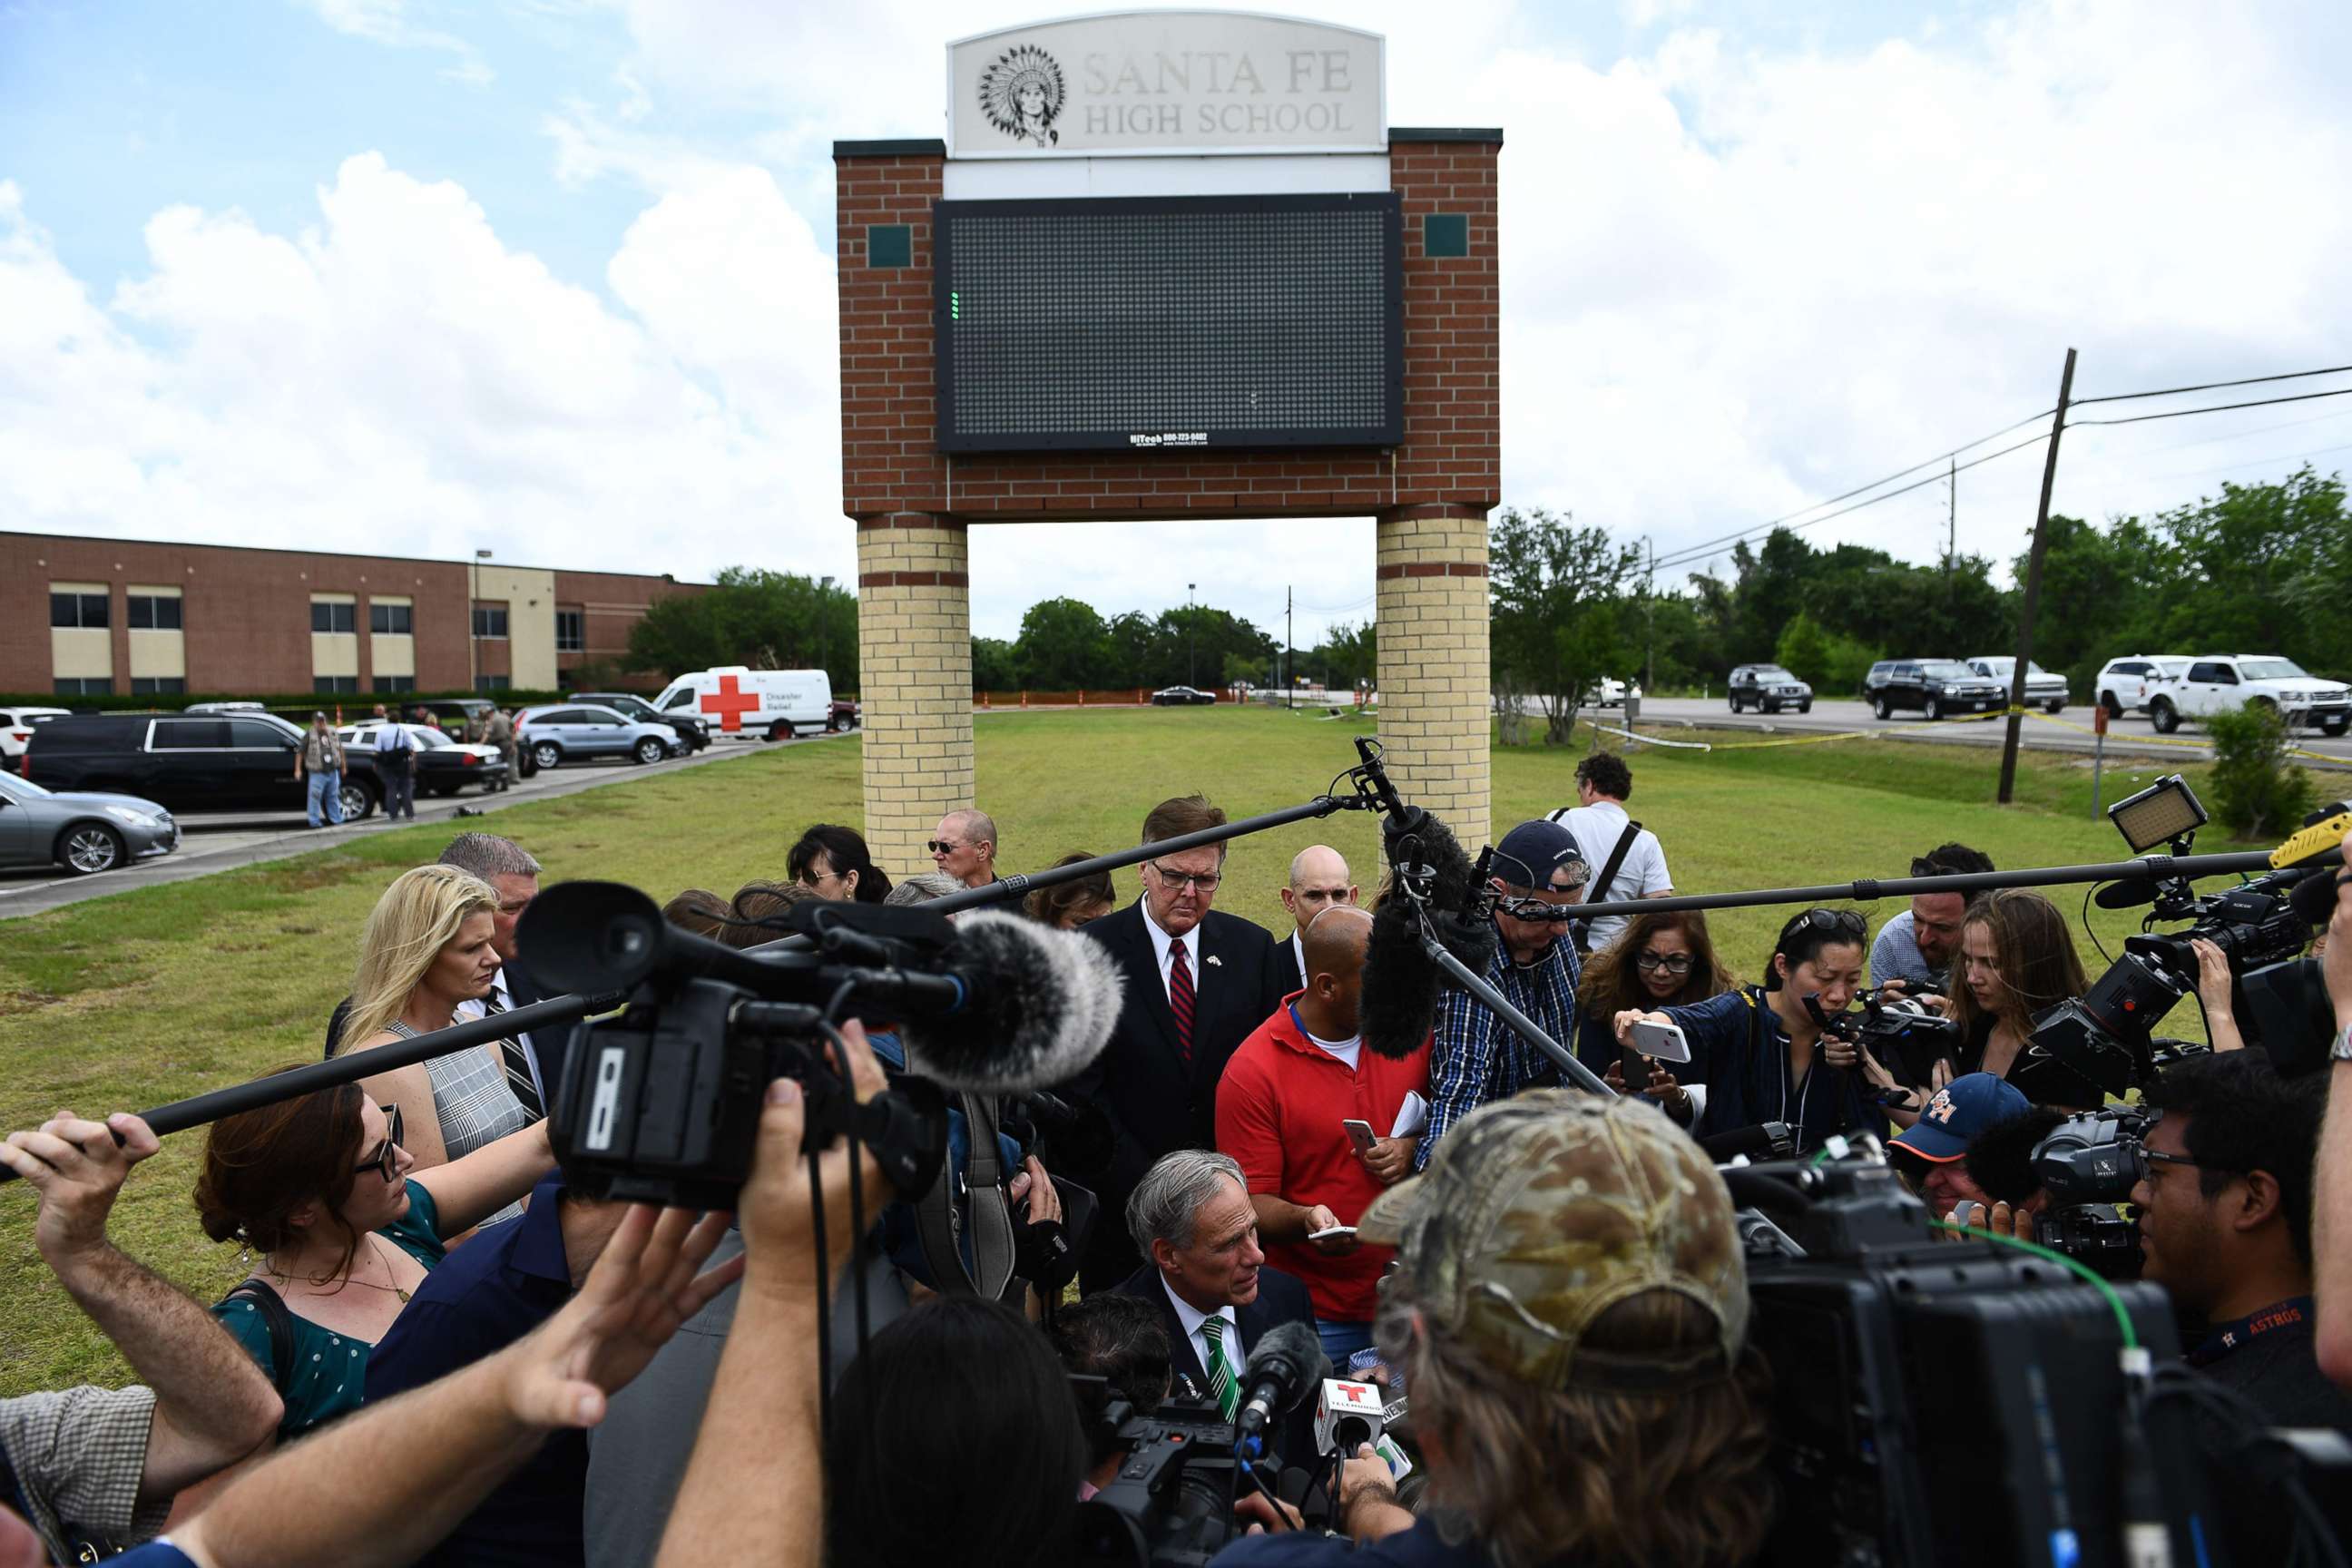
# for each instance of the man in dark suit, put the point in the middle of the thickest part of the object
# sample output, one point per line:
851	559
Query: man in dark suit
1319	880
1190	1216
1198	985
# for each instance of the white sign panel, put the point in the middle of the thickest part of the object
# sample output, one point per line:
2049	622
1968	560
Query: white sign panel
1140	83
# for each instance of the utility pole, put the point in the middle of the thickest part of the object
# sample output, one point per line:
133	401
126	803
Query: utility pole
2033	587
1650	619
1951	518
1192	627
1289	682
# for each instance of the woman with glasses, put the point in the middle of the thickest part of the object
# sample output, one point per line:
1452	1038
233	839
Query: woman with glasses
1758	1051
346	1227
1655	961
834	863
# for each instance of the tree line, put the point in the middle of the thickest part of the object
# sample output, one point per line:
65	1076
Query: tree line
2261	568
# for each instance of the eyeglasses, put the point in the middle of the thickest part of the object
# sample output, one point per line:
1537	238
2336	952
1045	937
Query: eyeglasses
1830	921
385	1162
944	847
1672	962
815	879
1206	883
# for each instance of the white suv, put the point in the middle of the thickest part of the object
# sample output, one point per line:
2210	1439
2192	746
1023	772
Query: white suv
2229	681
2124	684
16	730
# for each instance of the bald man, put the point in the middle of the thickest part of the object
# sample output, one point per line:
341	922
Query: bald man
963	847
1282	1109
1318	881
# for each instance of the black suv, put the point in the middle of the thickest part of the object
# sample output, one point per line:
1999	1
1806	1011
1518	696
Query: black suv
235	762
693	733
1936	686
1769	687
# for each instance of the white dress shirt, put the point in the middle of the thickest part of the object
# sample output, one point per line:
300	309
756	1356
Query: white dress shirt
1191	1318
1298	952
1162	942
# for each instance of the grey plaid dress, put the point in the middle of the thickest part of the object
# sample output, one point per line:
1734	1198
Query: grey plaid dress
476	1106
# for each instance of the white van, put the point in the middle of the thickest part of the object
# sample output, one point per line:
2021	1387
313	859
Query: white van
776	704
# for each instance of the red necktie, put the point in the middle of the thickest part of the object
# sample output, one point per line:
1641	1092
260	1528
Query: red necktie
1179	997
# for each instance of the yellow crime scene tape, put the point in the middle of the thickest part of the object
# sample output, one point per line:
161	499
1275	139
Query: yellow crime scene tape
1883	732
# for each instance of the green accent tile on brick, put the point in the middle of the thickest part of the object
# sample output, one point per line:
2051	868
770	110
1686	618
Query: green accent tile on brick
1445	234
889	245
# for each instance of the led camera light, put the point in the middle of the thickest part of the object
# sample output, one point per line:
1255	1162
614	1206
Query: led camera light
2164	813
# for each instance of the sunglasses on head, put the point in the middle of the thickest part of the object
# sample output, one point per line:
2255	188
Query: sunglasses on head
384	1161
1833	922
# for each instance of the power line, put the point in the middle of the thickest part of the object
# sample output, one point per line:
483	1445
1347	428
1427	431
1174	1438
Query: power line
1691	550
2241	434
2256	463
1699	551
2220	408
2210	386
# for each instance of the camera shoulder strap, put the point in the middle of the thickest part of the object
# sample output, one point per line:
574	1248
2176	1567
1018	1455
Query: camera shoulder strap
278	1321
1583	928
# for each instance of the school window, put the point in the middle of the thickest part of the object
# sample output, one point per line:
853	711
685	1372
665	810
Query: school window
153	612
159	686
84	610
570	631
85	686
395	683
489	683
491	621
327	616
335	682
392	620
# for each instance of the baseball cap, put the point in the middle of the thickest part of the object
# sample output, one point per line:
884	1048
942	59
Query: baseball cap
1539	1214
1530	852
1963	1108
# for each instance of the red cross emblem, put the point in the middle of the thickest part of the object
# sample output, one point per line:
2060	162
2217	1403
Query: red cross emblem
730	702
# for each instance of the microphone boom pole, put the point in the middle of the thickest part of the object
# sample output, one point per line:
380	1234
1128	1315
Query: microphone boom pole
1528	1029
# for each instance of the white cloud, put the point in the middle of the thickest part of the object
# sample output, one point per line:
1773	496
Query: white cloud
394	23
397	378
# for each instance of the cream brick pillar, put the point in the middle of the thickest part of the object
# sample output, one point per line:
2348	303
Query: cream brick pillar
914	658
1432	614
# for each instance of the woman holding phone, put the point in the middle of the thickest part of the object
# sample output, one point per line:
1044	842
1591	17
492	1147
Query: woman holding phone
1664	960
1757	1049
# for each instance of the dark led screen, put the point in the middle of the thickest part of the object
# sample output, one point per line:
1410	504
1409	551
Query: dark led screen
1169	321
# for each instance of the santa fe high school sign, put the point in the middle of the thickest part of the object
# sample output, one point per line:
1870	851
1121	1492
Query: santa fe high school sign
1166	81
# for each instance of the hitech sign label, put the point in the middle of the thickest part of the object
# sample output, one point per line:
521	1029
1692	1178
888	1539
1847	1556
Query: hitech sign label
1167	82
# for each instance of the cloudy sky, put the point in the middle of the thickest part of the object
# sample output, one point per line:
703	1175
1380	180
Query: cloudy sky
555	277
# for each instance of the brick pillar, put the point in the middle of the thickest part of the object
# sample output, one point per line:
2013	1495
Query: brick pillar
1432	616
914	660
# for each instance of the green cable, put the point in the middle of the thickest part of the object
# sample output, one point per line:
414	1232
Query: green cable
2115	1298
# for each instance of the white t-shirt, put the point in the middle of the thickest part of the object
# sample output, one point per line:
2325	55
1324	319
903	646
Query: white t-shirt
1598	827
1346	1050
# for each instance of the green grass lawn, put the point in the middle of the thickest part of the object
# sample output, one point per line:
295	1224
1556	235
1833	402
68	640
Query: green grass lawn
151	995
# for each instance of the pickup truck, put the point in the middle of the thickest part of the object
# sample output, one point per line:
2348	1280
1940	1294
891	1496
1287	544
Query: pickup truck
2217	683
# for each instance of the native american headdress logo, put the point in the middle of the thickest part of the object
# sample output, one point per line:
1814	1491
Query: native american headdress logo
1021	94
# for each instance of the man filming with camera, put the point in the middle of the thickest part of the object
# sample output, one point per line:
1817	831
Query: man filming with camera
1575	1346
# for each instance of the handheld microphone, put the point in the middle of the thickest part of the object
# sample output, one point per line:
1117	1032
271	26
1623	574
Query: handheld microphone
1346	1416
1285	1363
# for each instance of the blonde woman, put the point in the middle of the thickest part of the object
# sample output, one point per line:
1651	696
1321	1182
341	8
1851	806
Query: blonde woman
426	950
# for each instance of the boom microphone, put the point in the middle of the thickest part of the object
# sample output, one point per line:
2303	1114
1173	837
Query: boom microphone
1402	987
1287	1363
1039	1007
2126	895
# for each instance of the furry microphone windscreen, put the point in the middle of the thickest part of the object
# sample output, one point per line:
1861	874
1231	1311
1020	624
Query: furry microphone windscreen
1041	1006
1401	986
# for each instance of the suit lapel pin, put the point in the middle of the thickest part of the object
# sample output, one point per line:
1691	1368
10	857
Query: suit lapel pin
1216	962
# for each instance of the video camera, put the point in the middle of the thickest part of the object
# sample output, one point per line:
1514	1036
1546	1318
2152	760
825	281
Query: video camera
1899	1030
2262	928
1171	1505
2089	1165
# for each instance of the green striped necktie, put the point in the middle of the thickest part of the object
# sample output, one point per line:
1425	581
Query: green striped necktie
1223	1386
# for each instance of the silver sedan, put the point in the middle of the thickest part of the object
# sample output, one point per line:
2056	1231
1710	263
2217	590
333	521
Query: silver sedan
86	834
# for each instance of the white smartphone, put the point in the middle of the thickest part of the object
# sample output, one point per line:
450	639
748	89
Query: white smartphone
1329	1232
1360	1134
1662	1041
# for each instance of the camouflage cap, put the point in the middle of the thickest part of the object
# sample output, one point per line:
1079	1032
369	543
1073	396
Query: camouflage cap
1539	1214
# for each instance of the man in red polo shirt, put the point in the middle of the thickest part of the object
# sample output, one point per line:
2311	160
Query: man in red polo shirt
1281	1107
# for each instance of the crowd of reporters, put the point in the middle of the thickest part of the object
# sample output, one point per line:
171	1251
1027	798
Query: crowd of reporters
482	1365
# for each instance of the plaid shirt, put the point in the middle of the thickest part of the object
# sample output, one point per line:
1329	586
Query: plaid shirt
1478	1057
79	1457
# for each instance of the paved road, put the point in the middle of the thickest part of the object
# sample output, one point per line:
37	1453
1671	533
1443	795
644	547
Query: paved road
2131	735
219	840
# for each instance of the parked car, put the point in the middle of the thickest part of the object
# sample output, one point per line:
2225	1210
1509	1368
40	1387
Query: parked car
1610	693
2042	690
2221	683
693	733
452	712
1181	697
242	762
444	766
84	833
1937	687
225	707
1769	689
738	699
844	715
575	731
16	728
2124	685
